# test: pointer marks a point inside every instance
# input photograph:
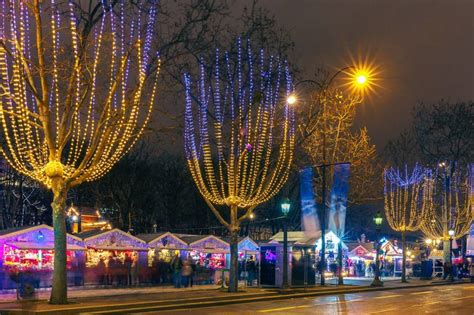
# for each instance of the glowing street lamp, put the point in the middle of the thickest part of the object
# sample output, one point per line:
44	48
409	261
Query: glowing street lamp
361	79
378	222
291	99
285	209
285	206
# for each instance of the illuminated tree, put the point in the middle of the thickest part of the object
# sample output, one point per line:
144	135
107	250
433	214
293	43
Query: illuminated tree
449	205
73	100
335	112
242	106
404	203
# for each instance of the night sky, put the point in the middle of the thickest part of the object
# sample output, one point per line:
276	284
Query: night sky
424	50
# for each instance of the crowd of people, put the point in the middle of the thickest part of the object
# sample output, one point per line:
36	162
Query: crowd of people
183	271
248	270
117	272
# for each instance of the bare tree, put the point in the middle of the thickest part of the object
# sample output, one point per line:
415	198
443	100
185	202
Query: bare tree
73	100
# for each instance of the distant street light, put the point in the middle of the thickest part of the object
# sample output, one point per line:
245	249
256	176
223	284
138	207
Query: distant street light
291	99
378	222
285	209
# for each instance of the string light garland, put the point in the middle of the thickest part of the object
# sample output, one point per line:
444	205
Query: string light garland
405	207
448	200
73	100
242	104
82	118
243	175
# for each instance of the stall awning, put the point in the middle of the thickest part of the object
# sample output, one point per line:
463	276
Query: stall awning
42	246
119	248
209	250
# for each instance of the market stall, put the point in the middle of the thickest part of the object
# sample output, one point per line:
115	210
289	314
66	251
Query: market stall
360	257
304	254
210	255
114	257
162	247
391	259
31	250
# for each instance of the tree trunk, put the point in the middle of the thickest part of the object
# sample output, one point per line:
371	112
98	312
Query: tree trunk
234	253
404	259
446	251
59	290
234	263
340	278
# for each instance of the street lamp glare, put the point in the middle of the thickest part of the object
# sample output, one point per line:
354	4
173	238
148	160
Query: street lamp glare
291	99
361	79
451	233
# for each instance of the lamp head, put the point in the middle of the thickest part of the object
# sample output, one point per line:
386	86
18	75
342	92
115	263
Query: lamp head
291	99
378	219
285	206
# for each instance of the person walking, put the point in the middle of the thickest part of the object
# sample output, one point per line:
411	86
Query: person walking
193	271
128	269
186	272
251	269
176	266
101	271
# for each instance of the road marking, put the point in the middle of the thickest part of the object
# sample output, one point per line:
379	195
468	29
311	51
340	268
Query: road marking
428	303
385	310
443	290
462	298
305	306
284	308
387	296
422	292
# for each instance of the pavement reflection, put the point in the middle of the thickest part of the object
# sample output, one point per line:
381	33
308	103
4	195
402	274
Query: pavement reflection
456	299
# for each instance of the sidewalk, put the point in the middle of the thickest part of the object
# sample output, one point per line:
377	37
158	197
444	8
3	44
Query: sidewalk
80	292
123	301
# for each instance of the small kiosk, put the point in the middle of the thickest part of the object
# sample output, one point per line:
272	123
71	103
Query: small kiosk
209	253
271	265
114	255
31	250
392	259
162	247
303	254
359	257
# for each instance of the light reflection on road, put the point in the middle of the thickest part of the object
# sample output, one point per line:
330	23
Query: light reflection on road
453	299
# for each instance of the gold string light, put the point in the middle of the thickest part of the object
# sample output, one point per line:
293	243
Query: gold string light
448	200
85	107
246	122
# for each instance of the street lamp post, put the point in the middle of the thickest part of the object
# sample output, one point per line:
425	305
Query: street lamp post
451	235
360	79
378	222
285	209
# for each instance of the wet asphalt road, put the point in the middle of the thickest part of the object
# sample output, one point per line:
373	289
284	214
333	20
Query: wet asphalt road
453	299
